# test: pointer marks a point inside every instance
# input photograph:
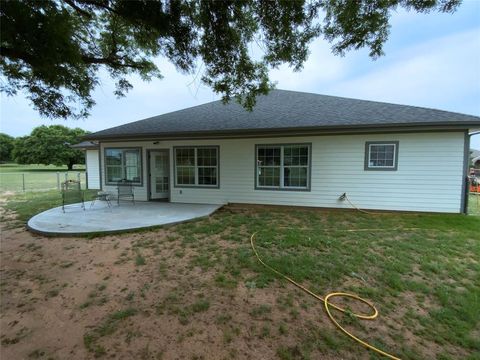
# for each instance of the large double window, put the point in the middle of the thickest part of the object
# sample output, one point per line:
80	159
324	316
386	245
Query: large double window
283	166
123	164
196	166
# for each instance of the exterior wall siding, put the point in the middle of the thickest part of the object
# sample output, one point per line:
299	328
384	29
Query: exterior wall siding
429	176
93	172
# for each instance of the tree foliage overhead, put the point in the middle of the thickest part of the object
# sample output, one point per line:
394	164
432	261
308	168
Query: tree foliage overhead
52	50
49	145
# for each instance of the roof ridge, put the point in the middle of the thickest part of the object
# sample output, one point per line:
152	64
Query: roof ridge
288	109
300	92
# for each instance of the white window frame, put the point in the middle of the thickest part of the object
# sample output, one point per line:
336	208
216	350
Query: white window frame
196	167
368	147
282	168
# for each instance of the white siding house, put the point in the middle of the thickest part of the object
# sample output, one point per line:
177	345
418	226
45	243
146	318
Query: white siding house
337	167
386	166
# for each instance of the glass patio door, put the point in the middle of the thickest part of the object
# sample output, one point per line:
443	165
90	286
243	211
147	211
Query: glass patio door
159	174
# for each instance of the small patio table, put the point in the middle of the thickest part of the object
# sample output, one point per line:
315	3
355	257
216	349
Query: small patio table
102	196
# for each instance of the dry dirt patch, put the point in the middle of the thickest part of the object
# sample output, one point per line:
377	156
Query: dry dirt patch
81	298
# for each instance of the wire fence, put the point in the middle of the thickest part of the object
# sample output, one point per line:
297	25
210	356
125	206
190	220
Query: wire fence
37	180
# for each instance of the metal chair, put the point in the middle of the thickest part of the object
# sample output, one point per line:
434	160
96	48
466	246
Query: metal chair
72	192
125	191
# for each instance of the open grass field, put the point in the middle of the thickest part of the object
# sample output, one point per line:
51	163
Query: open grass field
14	177
196	291
12	167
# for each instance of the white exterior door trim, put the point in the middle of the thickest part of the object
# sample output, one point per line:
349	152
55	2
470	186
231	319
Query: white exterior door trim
159	179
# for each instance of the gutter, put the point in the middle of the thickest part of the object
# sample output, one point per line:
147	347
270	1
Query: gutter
292	131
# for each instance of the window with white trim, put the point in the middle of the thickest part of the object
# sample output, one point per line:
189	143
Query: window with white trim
123	164
381	155
283	166
196	166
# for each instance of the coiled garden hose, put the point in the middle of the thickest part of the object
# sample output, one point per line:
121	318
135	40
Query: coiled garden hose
329	305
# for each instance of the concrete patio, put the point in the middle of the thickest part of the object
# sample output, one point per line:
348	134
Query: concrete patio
100	218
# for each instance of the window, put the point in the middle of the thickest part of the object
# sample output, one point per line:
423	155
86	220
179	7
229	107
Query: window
185	161
196	166
284	167
381	155
123	164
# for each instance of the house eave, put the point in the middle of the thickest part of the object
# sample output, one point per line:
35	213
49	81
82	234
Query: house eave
287	132
86	145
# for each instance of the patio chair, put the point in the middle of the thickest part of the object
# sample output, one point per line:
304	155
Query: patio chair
125	191
72	193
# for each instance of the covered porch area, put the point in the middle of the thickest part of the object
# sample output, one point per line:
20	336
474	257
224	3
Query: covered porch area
102	218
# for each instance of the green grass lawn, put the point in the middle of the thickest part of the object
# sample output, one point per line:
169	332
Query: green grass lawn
474	205
36	177
420	270
12	167
424	281
28	204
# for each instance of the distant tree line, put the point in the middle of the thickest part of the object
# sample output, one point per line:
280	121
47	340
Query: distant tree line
45	145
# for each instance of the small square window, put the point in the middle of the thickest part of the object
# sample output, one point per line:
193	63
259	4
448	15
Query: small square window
381	155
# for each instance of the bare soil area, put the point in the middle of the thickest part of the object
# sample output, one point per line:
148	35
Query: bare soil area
56	292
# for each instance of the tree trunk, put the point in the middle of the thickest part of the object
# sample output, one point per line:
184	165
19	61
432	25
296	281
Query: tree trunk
70	165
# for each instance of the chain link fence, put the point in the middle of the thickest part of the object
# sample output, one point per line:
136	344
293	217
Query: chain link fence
37	180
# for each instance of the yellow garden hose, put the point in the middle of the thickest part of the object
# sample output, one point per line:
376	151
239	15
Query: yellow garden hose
328	305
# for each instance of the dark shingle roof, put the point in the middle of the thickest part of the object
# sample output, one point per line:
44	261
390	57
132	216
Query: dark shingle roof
283	110
85	145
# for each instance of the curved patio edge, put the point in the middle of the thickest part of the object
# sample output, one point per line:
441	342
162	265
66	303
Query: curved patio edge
101	219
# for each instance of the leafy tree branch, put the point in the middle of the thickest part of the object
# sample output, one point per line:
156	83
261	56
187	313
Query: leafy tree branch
52	50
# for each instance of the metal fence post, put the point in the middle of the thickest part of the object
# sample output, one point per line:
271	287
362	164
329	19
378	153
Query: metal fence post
58	180
78	177
23	182
66	176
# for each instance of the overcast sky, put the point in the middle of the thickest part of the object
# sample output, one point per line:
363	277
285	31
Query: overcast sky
432	60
